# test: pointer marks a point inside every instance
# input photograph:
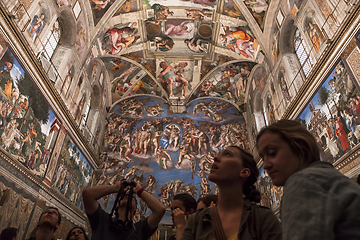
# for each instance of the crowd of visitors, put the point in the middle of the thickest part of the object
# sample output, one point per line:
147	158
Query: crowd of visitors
318	201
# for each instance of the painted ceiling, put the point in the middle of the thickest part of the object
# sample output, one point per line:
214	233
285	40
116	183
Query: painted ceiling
180	80
179	72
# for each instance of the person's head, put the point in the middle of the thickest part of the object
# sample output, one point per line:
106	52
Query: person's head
205	202
235	165
163	65
8	233
50	218
121	208
286	147
77	233
185	202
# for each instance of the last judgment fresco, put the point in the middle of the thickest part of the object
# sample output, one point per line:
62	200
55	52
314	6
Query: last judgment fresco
168	153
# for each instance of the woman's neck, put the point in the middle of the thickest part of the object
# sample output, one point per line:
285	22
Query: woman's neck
230	197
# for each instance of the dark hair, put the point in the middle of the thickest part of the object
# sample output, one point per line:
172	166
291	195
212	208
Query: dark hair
8	233
358	179
208	199
68	236
301	142
187	200
249	188
59	216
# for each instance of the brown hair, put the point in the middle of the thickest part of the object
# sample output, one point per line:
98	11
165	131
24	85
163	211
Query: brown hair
249	188
207	199
301	142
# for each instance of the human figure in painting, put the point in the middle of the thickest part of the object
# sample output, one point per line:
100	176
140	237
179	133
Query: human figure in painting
241	84
184	27
198	15
205	164
10	131
163	158
126	74
258	9
164	195
80	107
6	81
58	172
182	81
155	140
100	4
204	187
177	187
161	13
125	146
340	132
238	41
62	3
257	6
119	37
174	136
167	75
271	113
284	88
125	8
67	82
37	25
205	3
315	35
196	45
150	182
334	150
163	43
131	172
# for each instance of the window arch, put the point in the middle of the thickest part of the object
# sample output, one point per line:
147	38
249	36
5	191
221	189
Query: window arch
51	41
302	53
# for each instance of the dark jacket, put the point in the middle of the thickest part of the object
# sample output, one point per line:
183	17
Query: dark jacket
257	222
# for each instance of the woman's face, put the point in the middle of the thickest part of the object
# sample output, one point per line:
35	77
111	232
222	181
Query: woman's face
279	161
77	234
227	166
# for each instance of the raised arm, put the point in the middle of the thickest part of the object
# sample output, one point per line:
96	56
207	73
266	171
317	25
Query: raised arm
92	194
157	208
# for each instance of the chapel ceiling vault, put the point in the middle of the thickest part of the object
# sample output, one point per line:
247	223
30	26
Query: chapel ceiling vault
178	80
178	74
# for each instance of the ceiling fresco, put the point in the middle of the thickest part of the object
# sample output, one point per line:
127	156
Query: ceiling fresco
157	88
179	79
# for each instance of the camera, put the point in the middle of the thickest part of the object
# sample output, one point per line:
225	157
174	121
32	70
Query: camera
131	184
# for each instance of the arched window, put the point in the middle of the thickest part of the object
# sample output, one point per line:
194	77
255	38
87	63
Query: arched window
51	41
303	53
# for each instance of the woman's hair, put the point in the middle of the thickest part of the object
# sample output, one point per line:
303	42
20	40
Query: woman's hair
8	233
301	142
249	188
208	199
68	236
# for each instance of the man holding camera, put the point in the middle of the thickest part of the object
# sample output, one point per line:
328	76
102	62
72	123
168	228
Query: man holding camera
106	227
